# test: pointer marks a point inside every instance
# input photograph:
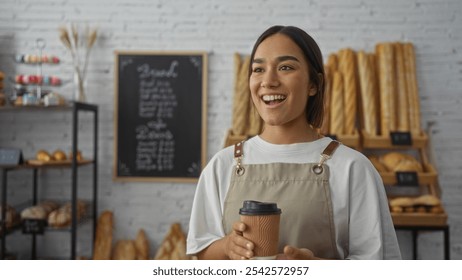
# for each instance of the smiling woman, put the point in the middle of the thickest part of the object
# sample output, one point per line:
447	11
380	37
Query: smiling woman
329	194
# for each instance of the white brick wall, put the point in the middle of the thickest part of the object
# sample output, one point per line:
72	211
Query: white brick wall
222	28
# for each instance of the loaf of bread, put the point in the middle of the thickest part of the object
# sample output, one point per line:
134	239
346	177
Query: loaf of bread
412	88
427	200
173	247
62	217
368	95
395	162
347	66
401	90
142	246
59	155
103	239
337	105
387	86
378	164
11	216
43	155
78	156
34	212
332	62
39	211
124	250
241	95
327	96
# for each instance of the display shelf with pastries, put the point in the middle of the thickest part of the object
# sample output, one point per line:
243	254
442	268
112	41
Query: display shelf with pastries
395	168
70	218
389	98
424	210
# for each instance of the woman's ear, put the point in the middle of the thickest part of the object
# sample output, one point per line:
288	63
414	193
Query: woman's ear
312	91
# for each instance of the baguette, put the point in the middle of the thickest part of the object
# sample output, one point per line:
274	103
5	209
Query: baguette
103	239
387	88
412	89
337	105
348	69
327	95
401	90
368	96
241	95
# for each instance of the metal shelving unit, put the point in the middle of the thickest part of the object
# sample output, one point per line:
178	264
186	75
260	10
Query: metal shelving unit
76	108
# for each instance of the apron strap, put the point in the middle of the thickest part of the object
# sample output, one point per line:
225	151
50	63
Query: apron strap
325	155
238	153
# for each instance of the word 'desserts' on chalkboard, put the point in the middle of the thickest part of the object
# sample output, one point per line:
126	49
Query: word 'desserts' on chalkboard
160	115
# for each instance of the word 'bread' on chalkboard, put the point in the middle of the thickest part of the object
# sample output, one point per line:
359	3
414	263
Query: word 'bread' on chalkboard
160	115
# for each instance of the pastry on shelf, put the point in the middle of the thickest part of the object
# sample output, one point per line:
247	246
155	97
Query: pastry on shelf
395	161
59	155
43	155
11	216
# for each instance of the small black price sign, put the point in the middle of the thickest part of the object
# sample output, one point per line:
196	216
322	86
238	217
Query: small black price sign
407	178
33	226
10	156
401	138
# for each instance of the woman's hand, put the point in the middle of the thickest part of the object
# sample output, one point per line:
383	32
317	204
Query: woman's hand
236	246
292	253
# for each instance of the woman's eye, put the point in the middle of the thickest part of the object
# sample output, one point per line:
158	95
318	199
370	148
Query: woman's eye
257	70
286	67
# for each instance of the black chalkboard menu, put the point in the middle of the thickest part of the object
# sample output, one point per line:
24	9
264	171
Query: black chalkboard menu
160	116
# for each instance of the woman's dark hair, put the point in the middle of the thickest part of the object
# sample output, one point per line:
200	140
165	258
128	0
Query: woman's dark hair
313	55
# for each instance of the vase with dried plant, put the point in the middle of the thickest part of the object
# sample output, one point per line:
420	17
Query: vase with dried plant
74	42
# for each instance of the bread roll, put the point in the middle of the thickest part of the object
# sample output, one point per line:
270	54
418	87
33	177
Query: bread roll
427	200
11	216
368	96
59	218
408	165
337	105
401	90
348	69
402	202
103	239
377	164
437	209
34	212
79	156
412	89
59	155
43	155
387	85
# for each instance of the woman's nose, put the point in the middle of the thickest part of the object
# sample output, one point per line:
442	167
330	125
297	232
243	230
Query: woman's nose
270	80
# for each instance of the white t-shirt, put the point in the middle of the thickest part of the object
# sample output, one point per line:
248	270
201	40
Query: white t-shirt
363	225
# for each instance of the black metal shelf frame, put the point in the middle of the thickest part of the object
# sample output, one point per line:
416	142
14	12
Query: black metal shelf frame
76	107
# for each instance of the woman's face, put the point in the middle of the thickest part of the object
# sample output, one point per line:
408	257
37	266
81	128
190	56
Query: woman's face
279	82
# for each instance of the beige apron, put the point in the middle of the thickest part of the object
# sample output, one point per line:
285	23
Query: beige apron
300	190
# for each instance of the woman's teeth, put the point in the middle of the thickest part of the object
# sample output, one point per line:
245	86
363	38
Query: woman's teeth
268	99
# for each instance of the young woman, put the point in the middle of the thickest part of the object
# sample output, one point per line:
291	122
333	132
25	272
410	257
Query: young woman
333	201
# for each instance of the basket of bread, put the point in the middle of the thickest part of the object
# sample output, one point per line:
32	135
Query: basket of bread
424	210
391	164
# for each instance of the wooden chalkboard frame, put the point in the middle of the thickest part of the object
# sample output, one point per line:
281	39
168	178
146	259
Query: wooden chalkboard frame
203	134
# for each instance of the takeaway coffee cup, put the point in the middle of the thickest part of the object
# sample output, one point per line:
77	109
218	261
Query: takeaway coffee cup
262	227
